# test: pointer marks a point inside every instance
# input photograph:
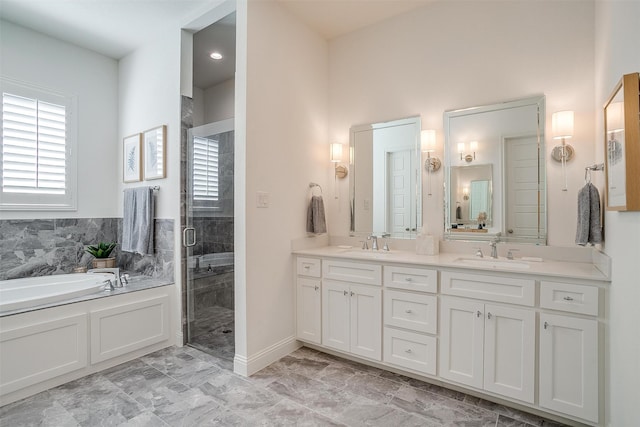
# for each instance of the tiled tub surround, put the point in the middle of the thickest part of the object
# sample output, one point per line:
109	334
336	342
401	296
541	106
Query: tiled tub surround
461	326
52	246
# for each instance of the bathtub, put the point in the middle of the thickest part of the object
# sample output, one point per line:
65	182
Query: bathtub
17	294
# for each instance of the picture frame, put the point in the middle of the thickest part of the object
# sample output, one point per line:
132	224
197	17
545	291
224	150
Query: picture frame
155	158
132	158
622	145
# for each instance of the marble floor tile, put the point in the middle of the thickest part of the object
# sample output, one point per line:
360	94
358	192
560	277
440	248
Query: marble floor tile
186	387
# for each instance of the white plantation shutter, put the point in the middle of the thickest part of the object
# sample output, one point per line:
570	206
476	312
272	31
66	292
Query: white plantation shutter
36	148
205	169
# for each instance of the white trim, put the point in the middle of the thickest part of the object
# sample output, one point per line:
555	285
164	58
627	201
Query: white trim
248	366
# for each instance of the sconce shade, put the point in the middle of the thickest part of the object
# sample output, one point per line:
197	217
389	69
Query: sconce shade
562	124
428	140
335	154
461	147
473	146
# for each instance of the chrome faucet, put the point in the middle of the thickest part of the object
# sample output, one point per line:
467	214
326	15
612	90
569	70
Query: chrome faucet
494	249
386	236
117	279
374	242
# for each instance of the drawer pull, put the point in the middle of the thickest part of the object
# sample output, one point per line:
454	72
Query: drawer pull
478	314
408	279
568	298
408	351
408	311
306	267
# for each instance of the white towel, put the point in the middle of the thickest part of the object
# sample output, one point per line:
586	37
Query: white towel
137	222
316	222
589	228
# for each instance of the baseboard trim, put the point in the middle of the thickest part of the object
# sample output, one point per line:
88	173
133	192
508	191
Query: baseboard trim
247	366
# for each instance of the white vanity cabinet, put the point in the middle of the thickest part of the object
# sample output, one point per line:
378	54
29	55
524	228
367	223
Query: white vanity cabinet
488	346
410	318
568	351
352	308
308	300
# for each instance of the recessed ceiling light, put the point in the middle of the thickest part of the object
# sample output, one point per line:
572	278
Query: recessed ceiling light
216	55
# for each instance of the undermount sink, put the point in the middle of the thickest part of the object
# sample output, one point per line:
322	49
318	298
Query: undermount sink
494	263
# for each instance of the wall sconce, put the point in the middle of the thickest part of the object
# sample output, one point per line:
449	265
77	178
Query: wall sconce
465	193
562	129
462	148
428	145
335	156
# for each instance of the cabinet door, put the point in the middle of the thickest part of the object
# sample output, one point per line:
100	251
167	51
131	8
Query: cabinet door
366	321
569	365
461	341
509	352
308	310
335	315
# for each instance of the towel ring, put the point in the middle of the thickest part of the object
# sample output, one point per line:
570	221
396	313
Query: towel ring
312	186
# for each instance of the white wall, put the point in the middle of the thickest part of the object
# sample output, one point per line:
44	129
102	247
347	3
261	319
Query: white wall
149	96
37	59
219	101
617	52
450	55
286	147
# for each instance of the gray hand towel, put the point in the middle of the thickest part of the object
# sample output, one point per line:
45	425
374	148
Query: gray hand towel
316	222
137	222
589	229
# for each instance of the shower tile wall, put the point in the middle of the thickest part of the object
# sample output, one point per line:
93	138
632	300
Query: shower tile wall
213	235
54	246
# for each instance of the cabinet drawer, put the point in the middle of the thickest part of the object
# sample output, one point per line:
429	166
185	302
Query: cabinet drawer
569	297
411	311
414	279
410	350
493	288
308	267
368	274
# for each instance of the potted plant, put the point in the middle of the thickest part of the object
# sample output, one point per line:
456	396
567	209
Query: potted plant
101	253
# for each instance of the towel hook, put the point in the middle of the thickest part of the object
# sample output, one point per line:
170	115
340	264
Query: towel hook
313	185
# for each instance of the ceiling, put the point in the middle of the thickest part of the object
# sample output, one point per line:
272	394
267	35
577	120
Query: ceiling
116	28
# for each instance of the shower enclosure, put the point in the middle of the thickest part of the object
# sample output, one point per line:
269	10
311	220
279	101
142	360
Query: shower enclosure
208	237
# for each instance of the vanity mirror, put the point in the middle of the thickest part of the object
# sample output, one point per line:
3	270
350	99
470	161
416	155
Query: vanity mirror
385	178
495	172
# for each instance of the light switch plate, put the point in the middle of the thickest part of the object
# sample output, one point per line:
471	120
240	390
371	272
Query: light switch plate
262	199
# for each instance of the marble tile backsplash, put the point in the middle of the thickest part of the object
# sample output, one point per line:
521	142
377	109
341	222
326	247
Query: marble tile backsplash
39	247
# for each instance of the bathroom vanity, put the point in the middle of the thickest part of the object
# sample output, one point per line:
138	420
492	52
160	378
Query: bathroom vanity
528	334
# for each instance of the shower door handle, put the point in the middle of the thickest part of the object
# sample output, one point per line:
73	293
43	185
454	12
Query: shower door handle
185	241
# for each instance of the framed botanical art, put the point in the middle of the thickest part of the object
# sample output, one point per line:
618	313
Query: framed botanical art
155	145
131	166
622	145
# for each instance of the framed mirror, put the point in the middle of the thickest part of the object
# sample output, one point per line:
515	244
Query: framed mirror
622	145
495	182
385	179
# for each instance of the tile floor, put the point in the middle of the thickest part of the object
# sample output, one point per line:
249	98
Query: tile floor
187	387
213	331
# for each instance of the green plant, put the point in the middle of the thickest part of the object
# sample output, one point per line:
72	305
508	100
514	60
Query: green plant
101	250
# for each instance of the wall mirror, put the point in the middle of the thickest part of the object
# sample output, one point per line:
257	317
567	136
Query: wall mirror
622	144
385	178
495	182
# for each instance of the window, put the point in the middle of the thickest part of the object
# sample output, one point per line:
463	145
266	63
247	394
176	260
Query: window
205	171
38	168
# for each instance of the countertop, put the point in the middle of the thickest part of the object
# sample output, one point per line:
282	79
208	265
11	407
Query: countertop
136	283
548	268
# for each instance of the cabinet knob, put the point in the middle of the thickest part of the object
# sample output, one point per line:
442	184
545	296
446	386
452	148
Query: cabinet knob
316	287
408	351
345	293
567	298
546	325
407	311
489	315
352	293
478	314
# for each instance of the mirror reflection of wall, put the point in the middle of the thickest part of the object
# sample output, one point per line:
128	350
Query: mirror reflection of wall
384	178
508	137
